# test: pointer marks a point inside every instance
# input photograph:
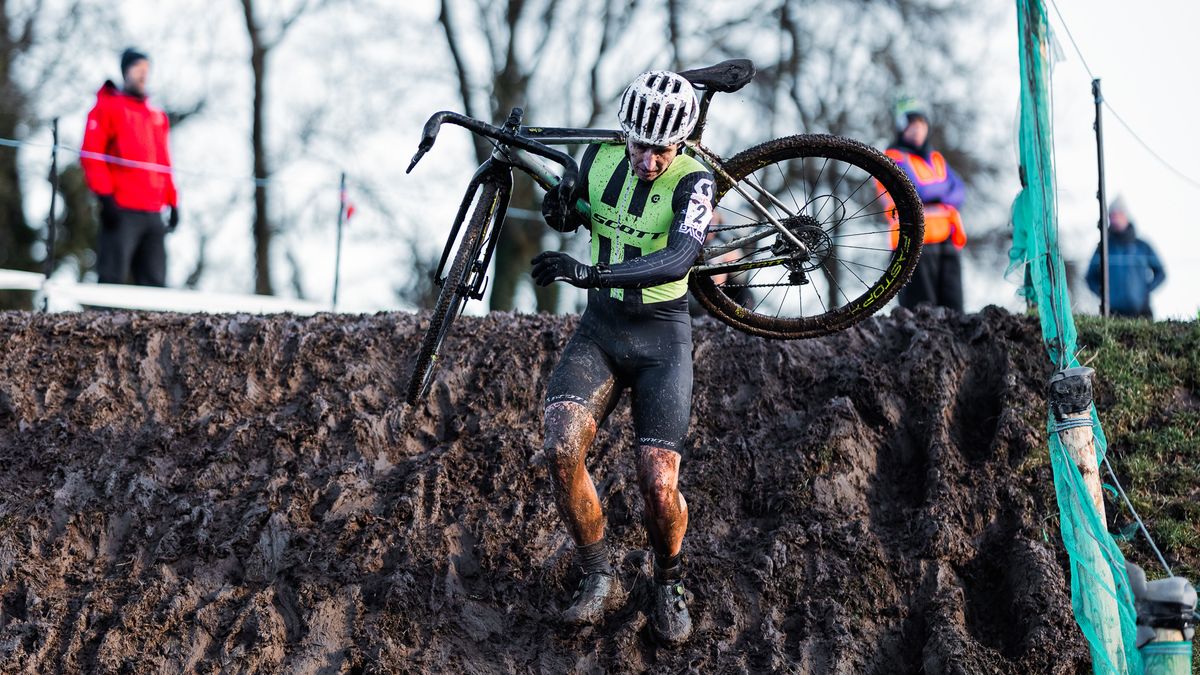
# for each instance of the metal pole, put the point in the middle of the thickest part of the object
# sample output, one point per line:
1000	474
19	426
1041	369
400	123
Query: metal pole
1100	195
337	259
51	230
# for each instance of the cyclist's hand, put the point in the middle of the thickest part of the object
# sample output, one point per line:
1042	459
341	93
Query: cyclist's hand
557	213
551	266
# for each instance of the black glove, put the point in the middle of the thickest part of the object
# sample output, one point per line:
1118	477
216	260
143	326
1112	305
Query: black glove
110	213
559	212
551	266
173	219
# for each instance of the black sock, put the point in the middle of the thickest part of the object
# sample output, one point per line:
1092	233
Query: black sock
594	557
668	568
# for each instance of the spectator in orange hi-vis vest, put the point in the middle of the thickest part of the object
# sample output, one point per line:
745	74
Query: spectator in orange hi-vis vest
127	165
938	277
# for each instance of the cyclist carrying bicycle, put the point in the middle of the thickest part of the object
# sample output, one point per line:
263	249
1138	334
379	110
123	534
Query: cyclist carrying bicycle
650	210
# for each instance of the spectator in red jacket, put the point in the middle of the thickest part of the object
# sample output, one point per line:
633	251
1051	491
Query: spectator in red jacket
134	187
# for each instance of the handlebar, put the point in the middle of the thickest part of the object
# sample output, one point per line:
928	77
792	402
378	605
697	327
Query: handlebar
507	136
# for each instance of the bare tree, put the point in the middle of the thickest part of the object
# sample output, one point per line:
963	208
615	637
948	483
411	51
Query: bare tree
536	78
265	34
36	51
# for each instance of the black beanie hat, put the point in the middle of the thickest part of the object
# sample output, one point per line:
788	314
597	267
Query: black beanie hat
131	56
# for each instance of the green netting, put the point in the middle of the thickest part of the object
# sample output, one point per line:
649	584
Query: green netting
1100	591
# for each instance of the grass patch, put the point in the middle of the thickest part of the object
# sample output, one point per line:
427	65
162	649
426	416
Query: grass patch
1148	397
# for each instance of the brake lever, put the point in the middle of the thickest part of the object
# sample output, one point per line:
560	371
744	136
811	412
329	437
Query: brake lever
421	150
428	136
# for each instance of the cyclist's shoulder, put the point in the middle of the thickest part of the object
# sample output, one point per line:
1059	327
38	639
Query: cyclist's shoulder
604	155
688	165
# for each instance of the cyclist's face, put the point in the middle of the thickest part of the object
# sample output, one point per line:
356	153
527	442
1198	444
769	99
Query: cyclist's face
650	161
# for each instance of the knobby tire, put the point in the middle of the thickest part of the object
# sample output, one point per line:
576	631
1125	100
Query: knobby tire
898	272
452	295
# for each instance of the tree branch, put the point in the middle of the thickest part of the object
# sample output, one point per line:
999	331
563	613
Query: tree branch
673	33
460	67
26	40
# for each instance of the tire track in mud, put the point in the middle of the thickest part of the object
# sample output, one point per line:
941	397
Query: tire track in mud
246	494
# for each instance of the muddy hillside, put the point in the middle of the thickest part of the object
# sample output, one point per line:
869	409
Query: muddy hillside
245	494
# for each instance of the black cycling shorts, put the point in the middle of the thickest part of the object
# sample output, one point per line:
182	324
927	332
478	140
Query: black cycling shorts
647	349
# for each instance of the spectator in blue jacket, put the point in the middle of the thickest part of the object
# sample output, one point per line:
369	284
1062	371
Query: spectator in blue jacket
1134	270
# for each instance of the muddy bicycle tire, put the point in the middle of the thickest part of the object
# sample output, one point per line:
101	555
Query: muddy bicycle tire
453	294
901	259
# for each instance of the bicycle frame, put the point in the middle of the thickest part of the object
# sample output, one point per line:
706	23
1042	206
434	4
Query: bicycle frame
528	149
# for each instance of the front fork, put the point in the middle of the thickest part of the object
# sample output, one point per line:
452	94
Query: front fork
501	176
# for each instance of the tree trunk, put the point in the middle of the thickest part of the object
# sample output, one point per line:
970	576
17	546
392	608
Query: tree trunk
262	222
16	237
519	243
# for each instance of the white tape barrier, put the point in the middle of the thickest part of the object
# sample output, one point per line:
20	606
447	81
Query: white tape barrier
67	295
15	280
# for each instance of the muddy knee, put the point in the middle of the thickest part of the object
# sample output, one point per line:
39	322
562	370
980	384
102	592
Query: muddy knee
570	429
658	480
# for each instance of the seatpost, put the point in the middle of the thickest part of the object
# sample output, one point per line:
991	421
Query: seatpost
705	99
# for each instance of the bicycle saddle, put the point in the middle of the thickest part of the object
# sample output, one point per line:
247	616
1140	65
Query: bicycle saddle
726	76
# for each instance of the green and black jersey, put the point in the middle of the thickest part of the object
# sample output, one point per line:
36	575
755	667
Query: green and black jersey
648	233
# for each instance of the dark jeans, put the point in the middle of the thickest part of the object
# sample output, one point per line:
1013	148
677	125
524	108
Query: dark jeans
937	279
134	244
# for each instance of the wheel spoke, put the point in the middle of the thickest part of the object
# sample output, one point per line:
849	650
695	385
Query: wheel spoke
819	298
866	248
877	269
853	215
860	234
786	290
833	281
787	184
865	215
817	183
738	213
844	257
851	271
833	191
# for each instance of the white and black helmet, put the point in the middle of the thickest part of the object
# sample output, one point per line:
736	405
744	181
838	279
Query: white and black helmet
659	108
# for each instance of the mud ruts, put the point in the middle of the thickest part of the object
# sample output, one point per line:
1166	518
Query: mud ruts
246	494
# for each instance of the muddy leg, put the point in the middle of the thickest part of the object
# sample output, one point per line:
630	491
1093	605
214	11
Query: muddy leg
666	509
570	429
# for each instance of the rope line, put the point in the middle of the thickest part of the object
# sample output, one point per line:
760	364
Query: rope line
1146	146
1186	178
134	164
1142	526
1072	39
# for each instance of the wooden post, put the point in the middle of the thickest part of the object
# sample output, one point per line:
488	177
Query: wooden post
1071	403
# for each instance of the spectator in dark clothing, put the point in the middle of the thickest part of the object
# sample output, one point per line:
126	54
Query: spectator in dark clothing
938	277
1134	270
132	194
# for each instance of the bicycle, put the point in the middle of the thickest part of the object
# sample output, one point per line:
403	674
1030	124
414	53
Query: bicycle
800	248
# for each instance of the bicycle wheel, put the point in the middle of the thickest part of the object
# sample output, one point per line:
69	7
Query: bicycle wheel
852	207
453	294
